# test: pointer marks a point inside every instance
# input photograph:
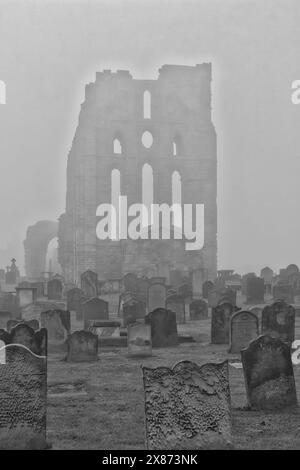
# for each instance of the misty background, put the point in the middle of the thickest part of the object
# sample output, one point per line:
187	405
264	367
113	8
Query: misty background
49	50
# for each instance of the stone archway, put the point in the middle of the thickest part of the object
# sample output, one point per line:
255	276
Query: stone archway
36	243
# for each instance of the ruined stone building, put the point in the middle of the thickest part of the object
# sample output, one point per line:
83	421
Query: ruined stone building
153	134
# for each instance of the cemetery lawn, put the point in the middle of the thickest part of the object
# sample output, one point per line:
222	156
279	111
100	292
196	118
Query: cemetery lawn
101	405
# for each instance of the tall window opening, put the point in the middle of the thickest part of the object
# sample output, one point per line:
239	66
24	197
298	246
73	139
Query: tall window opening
147	105
117	147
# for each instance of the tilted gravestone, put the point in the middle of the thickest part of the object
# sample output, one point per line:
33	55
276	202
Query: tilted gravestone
133	310
269	375
187	407
4	318
82	347
54	289
157	293
198	310
57	324
34	324
278	320
75	299
163	328
220	319
244	327
23	396
94	309
207	286
139	339
255	290
176	304
35	341
89	284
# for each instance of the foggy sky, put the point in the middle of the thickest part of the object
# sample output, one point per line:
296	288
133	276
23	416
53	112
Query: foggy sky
50	50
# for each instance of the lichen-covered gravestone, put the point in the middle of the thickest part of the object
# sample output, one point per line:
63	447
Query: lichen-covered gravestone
157	293
198	310
54	289
220	318
163	328
4	318
176	304
23	334
187	407
34	324
269	375
94	309
23	397
139	339
278	320
244	327
82	347
89	283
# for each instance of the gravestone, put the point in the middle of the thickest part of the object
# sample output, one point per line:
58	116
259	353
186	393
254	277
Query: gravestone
82	347
10	303
89	284
94	309
142	289
220	319
132	311
26	295
130	282
57	324
283	291
198	310
75	299
187	407
105	328
54	289
278	320
40	286
34	324
269	375
163	328
244	327
255	290
157	293
4	318
207	286
139	340
35	341
23	398
176	304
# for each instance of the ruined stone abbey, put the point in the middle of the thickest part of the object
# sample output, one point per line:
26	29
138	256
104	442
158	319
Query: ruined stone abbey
157	138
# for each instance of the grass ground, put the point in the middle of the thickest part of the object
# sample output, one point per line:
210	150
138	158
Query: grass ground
101	405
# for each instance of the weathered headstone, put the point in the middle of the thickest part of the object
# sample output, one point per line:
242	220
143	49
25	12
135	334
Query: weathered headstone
187	407
220	319
4	317
105	328
130	282
163	328
23	334
34	324
278	320
207	286
23	397
26	295
89	283
94	309
176	304
157	293
82	347
269	375
133	310
10	303
283	291
54	289
198	310
75	299
244	327
255	290
139	339
57	323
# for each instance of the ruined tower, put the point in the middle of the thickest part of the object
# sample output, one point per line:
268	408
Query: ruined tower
161	128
